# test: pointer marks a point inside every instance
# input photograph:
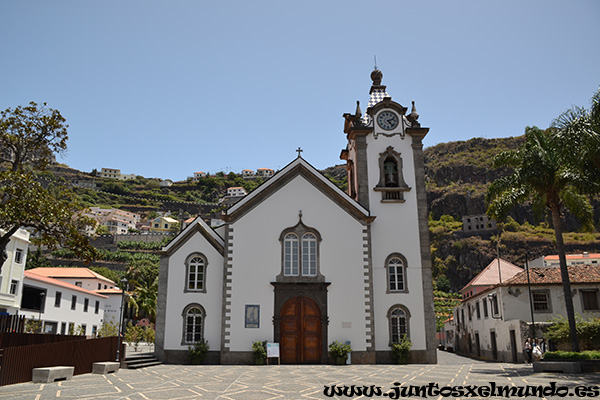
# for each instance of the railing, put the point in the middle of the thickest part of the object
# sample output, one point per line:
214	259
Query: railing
12	323
28	339
17	363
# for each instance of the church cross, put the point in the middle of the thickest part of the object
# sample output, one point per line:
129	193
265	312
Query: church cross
299	150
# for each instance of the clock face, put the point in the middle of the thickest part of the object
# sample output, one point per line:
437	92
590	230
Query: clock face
387	120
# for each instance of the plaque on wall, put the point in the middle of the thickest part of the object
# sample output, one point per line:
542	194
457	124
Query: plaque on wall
252	316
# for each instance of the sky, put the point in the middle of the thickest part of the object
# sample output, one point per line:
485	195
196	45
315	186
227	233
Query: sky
168	88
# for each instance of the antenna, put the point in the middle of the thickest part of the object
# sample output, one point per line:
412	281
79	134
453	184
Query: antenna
375	59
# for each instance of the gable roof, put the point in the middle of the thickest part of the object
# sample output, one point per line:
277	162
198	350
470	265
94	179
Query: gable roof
489	275
298	167
551	275
197	226
70	273
59	283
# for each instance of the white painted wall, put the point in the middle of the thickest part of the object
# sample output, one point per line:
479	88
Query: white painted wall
257	261
177	300
13	271
395	230
63	313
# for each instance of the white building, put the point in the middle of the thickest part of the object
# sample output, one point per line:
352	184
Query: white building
265	172
247	173
481	222
198	175
115	174
11	276
236	191
584	258
84	278
61	306
494	323
302	263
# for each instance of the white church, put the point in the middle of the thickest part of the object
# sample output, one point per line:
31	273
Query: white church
302	263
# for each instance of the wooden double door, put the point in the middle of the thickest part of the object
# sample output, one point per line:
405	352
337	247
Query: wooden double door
300	332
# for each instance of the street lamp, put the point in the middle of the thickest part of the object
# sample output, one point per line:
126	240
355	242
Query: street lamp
530	299
123	287
42	297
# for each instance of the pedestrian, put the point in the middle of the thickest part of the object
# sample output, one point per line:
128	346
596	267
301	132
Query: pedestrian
528	350
543	345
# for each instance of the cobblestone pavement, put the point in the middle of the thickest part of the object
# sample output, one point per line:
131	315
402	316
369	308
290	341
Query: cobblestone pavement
286	382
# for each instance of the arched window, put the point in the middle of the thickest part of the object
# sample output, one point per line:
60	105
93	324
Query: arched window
290	255
309	254
299	253
193	324
195	273
398	319
396	273
391	180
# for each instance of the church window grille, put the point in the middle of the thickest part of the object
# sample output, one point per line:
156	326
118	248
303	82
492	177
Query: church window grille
195	273
398	320
309	254
299	253
396	273
193	324
291	255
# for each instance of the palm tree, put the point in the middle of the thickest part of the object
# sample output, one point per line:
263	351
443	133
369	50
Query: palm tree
542	174
578	130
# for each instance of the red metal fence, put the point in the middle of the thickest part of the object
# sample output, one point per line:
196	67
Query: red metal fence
17	363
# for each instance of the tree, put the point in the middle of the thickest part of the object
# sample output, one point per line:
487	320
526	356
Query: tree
578	131
29	136
542	173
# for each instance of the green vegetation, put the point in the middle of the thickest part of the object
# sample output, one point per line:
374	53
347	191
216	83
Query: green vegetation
444	303
339	351
114	256
588	331
108	329
569	355
198	352
153	246
29	138
401	349
259	352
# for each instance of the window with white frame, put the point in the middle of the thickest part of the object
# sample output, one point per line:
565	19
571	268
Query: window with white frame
18	256
14	286
291	255
396	273
309	254
193	324
196	273
300	251
398	317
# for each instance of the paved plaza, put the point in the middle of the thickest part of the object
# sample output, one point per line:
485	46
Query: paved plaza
285	382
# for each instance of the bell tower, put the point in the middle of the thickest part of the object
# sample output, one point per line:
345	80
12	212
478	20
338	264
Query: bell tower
386	175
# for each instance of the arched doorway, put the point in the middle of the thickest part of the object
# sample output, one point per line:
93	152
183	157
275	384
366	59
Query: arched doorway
300	332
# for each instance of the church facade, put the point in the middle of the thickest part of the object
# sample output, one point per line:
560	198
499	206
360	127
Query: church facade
302	263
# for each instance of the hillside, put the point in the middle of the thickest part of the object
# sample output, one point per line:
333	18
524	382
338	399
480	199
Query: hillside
457	175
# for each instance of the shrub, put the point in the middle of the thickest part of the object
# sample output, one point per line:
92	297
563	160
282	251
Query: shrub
108	329
588	330
401	349
569	355
339	350
197	352
259	350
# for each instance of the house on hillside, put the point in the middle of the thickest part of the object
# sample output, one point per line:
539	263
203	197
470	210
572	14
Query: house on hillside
265	172
118	222
302	263
163	224
115	174
11	275
584	258
247	173
494	322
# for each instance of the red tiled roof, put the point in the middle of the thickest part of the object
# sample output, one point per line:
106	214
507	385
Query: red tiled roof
109	291
551	275
489	275
56	282
58	272
554	257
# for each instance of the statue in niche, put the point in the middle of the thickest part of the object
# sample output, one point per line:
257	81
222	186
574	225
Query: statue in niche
391	172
